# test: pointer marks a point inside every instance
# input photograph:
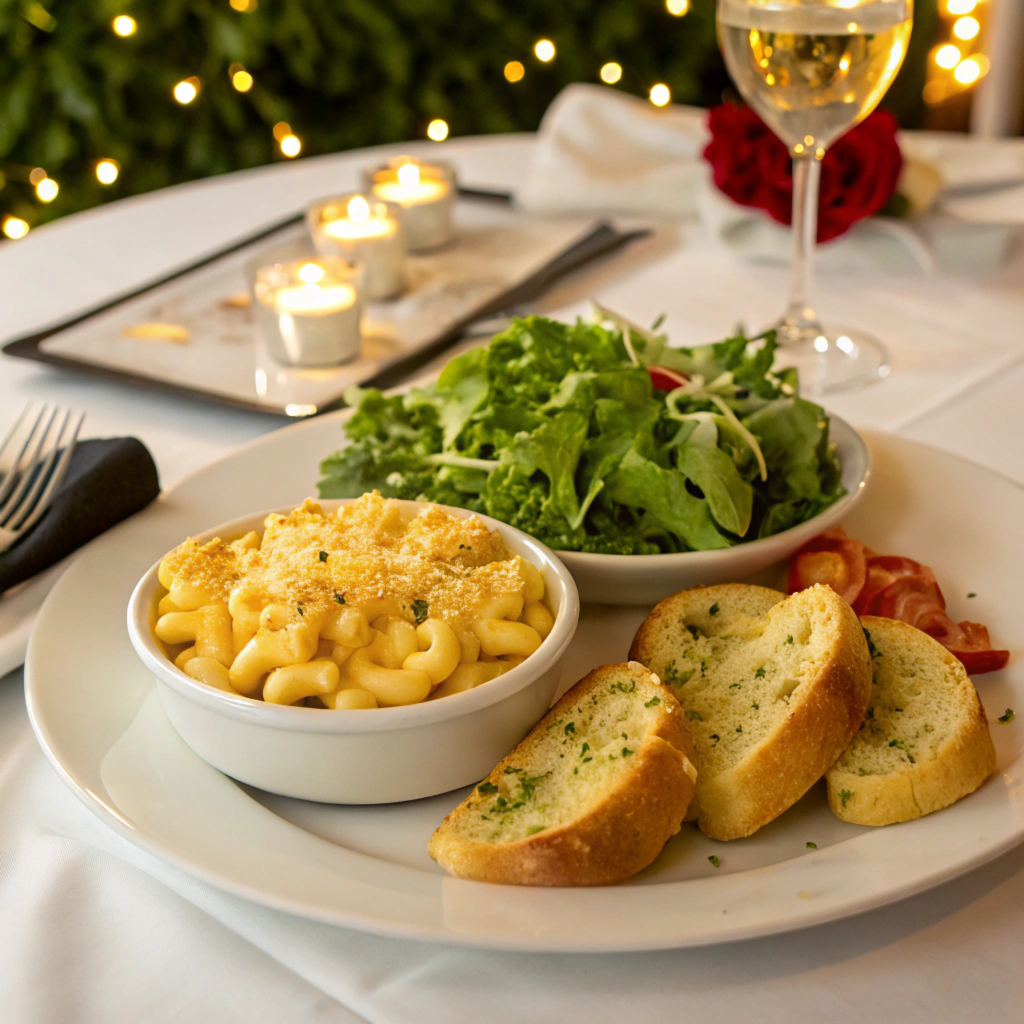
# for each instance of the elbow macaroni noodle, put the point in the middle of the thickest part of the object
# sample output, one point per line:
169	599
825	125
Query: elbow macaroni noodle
354	609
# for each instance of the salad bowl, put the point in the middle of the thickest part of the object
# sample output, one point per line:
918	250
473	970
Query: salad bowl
646	579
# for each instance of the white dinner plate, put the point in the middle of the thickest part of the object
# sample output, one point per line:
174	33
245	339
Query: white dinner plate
96	713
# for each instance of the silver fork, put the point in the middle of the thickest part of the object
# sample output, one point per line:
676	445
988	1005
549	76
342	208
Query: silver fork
34	457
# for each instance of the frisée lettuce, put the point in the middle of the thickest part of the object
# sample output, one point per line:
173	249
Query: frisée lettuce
557	429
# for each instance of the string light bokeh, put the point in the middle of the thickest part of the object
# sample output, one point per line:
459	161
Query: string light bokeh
955	65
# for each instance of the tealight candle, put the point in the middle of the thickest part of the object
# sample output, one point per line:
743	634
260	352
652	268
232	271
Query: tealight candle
310	310
426	193
365	229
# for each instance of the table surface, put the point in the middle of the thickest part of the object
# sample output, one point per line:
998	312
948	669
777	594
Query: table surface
96	930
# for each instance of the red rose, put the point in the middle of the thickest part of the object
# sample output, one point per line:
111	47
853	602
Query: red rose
753	168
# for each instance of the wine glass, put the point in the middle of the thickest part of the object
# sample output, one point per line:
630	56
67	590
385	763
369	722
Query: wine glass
812	69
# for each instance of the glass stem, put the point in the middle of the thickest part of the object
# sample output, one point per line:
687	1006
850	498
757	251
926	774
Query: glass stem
800	322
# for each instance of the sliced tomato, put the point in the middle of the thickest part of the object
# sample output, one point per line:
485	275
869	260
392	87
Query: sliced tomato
886	569
907	598
877	579
831	558
665	379
978	662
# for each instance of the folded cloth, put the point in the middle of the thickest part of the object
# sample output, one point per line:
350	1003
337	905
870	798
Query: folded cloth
601	150
107	481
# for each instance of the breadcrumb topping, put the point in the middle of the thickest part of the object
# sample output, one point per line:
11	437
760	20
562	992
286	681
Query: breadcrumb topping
362	552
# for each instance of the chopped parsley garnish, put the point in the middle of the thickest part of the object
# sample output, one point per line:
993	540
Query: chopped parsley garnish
844	795
299	607
534	829
694	716
872	649
570	728
1008	717
972	594
323	556
789	639
715	737
734	686
486	788
756	706
812	846
650	703
622	688
715	861
739	728
586	747
674	677
419	610
759	674
509	770
626	751
340	598
693	631
862	771
713	610
900	745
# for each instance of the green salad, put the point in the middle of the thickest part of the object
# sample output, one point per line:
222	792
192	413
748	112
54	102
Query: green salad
558	429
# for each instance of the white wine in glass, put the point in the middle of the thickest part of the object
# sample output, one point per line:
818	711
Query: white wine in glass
812	69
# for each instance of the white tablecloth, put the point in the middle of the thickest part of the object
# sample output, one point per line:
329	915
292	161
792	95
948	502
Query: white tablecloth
92	929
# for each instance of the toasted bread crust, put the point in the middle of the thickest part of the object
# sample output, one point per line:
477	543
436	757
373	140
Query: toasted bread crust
964	761
619	836
823	717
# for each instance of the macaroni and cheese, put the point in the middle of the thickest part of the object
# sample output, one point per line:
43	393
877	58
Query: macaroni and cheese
357	608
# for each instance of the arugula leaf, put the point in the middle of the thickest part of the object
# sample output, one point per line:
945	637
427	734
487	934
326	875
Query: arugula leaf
730	498
663	494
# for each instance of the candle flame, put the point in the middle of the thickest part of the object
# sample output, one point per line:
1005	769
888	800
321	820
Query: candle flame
408	175
311	273
358	210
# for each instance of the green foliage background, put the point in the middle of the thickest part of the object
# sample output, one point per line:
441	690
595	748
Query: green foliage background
342	73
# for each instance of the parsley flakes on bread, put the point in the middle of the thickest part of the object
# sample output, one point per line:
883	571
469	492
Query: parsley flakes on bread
590	797
924	743
774	688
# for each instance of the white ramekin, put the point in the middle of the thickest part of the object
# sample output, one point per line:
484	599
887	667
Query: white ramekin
362	757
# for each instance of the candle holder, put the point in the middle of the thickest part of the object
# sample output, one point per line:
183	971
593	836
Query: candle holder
310	310
425	191
364	229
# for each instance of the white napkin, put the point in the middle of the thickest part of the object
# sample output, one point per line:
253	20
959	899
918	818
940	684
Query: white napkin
601	150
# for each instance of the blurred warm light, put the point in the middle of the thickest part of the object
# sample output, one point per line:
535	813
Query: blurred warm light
47	190
544	49
660	94
15	227
291	145
107	171
124	25
514	71
611	73
677	8
244	5
956	7
187	90
281	129
966	28
437	130
968	71
242	81
947	56
408	175
358	210
36	175
311	273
